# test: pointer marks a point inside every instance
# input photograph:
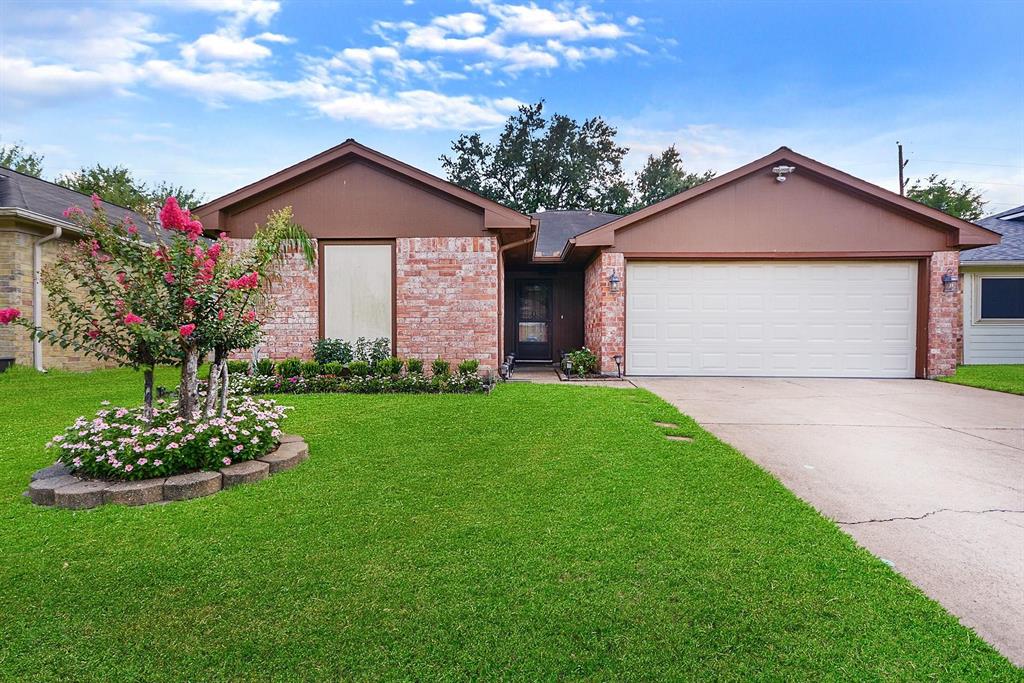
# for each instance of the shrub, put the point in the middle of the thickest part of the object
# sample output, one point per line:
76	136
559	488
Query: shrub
332	351
359	368
389	366
333	368
469	367
371	351
311	369
414	383
290	367
440	368
238	367
414	365
119	444
264	366
583	361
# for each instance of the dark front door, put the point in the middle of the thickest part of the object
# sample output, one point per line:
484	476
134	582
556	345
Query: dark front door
533	320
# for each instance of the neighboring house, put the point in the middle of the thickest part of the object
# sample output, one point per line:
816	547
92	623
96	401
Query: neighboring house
993	286
32	229
823	274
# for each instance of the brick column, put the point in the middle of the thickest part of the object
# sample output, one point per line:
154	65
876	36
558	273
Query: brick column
447	299
945	316
604	311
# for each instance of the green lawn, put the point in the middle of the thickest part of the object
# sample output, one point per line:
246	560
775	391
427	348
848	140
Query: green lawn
1008	378
542	532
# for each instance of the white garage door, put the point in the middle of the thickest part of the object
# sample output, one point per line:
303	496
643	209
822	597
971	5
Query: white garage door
771	318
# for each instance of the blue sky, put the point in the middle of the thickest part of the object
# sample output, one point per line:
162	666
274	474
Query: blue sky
217	93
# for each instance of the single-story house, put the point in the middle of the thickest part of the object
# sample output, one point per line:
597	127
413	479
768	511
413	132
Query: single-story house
993	286
32	228
783	267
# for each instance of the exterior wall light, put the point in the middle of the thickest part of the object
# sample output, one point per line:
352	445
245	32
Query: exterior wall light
614	282
949	282
782	171
618	363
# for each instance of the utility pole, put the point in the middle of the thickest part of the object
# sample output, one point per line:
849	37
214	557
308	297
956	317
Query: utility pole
903	165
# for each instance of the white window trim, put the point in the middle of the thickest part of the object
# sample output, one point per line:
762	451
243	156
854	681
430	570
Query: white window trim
976	303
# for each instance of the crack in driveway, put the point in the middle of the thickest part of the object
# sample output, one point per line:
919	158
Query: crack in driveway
929	514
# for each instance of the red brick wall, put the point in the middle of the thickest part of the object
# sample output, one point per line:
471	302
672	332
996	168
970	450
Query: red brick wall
447	298
604	311
945	316
292	324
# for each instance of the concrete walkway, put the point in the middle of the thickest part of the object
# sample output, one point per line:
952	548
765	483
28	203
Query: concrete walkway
926	475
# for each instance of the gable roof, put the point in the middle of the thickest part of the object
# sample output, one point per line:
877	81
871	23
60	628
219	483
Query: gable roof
961	233
40	201
496	216
556	228
1009	224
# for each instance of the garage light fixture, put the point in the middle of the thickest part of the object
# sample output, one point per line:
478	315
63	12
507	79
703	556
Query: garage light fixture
614	281
782	171
949	281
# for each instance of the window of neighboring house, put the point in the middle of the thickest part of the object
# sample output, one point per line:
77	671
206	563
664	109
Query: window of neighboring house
357	290
1002	298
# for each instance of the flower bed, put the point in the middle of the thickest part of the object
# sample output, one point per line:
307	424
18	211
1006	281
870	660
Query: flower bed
408	383
119	444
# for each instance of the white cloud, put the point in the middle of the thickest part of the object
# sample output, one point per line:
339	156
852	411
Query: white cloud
419	109
572	24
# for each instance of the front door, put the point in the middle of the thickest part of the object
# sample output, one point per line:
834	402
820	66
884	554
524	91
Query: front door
533	320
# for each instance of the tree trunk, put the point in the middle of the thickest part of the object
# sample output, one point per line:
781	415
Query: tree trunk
224	391
147	394
212	384
187	391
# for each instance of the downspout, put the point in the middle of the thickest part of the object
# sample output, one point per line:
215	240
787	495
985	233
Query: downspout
501	286
37	293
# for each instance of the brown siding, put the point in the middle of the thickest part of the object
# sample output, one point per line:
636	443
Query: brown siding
359	200
758	215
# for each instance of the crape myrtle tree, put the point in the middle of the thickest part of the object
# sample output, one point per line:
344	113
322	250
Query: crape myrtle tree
121	299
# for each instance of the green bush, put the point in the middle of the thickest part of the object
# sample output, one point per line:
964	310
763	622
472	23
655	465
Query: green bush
290	367
332	351
311	369
414	365
359	368
388	367
371	351
333	368
238	367
440	368
583	361
469	367
264	366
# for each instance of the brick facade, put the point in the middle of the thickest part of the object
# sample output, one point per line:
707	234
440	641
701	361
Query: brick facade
16	291
945	316
447	298
604	311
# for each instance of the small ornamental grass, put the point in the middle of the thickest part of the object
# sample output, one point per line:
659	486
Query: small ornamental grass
119	444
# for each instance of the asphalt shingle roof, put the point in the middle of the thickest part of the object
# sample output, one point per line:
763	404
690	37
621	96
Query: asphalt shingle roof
1010	248
29	193
555	228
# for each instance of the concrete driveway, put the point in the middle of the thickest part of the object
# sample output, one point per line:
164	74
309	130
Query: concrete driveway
926	475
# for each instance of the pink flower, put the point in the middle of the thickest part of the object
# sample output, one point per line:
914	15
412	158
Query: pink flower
121	277
7	315
226	461
190	303
72	211
220	314
93	333
223	235
239	448
157	463
249	317
142	461
128	468
187	330
214	251
95	200
132	319
169	278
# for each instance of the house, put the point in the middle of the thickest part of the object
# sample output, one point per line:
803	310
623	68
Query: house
783	267
993	293
32	229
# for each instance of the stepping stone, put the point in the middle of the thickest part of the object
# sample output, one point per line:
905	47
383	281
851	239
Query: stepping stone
41	490
191	485
287	456
84	494
139	492
290	438
245	473
57	469
666	425
673	437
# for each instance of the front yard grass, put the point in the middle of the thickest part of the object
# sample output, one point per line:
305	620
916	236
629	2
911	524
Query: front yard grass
1008	378
541	532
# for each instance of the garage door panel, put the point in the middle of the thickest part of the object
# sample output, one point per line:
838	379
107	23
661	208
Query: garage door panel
788	318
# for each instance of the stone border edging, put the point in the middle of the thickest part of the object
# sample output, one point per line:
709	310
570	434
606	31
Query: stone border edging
55	486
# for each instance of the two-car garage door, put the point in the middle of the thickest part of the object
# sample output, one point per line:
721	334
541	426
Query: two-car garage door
771	318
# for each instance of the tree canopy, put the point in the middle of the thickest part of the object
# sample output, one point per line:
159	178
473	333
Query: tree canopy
17	158
962	201
560	163
118	185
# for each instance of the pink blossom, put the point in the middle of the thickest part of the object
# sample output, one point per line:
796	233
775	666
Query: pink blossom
72	211
226	461
169	278
93	333
220	314
132	230
95	200
239	448
214	441
249	317
190	303
214	251
121	277
143	461
187	330
8	315
157	463
223	236
128	468
132	319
